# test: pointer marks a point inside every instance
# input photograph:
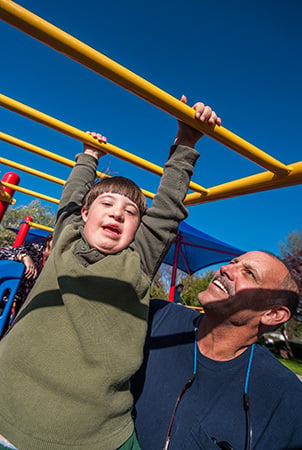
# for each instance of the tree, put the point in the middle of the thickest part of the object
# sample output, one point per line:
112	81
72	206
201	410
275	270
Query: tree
193	284
14	216
291	253
161	284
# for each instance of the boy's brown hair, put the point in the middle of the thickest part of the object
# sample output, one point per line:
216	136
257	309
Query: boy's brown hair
117	185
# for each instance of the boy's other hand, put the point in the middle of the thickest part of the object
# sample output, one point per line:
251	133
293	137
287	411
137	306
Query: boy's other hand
187	135
95	151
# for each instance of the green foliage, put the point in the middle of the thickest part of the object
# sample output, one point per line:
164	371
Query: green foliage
14	216
158	292
193	285
294	366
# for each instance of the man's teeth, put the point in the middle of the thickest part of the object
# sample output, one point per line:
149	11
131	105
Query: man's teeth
220	285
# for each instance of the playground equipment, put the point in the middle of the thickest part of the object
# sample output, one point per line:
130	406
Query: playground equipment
276	175
11	273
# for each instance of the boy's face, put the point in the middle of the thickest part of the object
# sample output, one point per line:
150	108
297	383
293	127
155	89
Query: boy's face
111	222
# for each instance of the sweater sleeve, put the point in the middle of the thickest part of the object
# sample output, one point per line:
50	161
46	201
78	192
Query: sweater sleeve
11	253
76	187
159	225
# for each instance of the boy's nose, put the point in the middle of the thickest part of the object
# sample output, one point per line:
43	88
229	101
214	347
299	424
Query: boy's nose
118	214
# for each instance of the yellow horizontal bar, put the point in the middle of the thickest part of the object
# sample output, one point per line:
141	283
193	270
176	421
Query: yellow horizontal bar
248	185
41	227
29	192
58	125
34	149
31	171
53	156
44	31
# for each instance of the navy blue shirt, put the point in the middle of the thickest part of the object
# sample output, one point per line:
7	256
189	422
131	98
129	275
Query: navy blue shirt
212	408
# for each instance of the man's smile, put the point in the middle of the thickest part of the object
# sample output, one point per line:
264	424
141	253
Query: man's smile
223	284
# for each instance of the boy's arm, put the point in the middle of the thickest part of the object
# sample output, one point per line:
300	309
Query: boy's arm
159	225
78	184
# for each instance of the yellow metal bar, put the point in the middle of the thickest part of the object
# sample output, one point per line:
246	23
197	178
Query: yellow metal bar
58	125
5	197
40	29
254	183
31	171
29	192
34	149
41	227
50	155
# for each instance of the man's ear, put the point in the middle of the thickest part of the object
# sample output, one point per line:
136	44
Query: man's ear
275	316
84	214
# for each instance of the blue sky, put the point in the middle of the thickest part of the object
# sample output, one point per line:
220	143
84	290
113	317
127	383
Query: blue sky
241	57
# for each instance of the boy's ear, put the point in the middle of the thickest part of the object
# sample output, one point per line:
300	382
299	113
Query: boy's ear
84	214
276	316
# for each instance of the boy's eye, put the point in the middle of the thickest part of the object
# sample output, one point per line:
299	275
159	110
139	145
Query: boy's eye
130	212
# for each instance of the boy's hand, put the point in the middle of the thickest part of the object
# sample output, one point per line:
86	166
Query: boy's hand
187	135
94	151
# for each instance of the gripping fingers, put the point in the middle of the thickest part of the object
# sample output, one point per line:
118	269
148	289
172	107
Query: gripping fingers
206	114
99	137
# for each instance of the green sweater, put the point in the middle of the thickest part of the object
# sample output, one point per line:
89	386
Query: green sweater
66	363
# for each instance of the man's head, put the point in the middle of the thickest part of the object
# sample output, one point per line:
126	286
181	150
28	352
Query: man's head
112	211
179	288
255	285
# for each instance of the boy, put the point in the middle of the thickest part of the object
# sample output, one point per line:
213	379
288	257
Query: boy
66	363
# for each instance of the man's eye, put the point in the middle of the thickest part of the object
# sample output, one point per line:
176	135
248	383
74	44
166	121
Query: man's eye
250	273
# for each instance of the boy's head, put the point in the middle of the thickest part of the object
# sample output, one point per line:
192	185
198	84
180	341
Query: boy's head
112	211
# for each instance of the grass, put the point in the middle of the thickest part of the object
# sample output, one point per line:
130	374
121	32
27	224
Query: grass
294	366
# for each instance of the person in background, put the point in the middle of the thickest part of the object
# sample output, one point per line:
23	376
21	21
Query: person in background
33	256
207	382
177	293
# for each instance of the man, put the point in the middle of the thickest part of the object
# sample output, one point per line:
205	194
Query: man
177	293
205	383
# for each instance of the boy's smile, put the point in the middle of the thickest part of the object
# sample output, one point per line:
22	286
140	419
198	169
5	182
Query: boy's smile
111	222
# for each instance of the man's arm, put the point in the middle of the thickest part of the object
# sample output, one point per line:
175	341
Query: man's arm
159	225
78	184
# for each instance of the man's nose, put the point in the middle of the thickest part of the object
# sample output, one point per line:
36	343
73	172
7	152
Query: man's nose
228	270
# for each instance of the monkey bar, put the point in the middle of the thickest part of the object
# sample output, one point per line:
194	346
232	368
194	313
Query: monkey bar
45	32
277	175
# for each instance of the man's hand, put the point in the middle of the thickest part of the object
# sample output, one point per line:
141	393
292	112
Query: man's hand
187	135
94	151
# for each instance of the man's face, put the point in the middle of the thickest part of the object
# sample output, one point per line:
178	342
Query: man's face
111	222
251	271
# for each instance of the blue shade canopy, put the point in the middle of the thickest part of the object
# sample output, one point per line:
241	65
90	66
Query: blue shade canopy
33	236
198	250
